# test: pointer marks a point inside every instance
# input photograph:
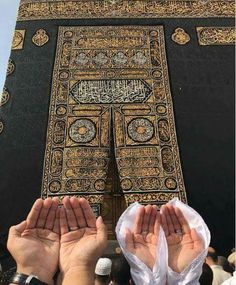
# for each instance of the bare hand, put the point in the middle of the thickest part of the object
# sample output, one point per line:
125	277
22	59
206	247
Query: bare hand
34	243
142	240
184	244
83	238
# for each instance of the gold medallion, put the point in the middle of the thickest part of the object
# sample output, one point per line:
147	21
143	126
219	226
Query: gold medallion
1	127
180	36
4	98
18	40
40	38
10	67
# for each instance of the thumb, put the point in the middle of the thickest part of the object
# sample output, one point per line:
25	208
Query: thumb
101	230
17	230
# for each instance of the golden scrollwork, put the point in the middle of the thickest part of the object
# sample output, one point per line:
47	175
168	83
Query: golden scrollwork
40	38
216	35
18	40
77	9
180	36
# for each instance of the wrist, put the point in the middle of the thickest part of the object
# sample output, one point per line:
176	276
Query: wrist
42	274
83	273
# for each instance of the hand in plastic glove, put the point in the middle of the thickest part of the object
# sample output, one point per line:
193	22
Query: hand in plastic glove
142	240
184	244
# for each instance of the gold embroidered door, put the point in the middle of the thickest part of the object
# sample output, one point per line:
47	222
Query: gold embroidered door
111	83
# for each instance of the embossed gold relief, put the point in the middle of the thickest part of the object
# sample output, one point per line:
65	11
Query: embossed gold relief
1	126
18	40
93	92
4	97
40	38
216	35
10	67
77	9
180	36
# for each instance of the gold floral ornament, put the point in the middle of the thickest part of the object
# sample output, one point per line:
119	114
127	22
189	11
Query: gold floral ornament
1	126
18	40
40	38
10	67
4	97
216	35
180	36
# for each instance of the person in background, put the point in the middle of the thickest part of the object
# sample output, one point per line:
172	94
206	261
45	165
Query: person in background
120	271
222	261
219	275
207	275
232	261
102	271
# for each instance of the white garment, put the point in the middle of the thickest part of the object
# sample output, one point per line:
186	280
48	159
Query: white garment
230	281
219	275
141	274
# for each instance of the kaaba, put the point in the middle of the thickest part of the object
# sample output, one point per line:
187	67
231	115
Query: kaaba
121	101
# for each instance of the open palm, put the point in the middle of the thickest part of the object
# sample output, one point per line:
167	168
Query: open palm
184	244
37	238
83	238
142	240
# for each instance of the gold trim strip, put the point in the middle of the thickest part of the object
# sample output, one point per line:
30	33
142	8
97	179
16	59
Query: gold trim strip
216	35
47	10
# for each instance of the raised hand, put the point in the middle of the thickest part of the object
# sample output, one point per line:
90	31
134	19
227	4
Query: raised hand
83	238
34	243
184	244
142	240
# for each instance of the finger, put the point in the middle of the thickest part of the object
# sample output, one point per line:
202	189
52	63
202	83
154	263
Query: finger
152	220
72	222
78	212
52	214
157	224
56	227
139	220
101	232
88	213
198	243
169	221
44	213
174	218
183	222
164	221
129	240
63	221
33	215
146	218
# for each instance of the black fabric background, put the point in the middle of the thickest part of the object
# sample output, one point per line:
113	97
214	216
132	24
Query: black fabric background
202	84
